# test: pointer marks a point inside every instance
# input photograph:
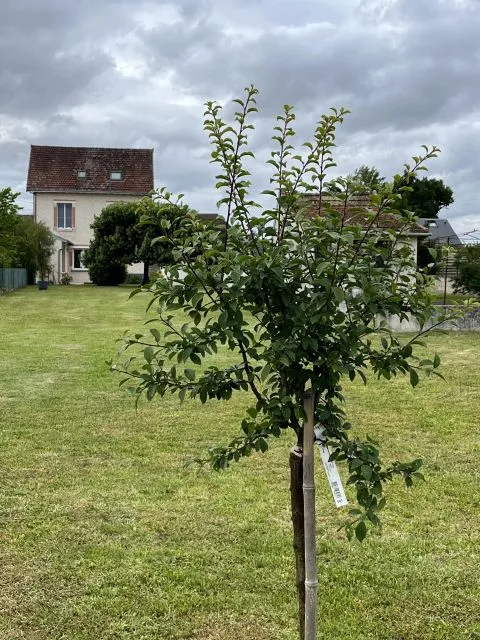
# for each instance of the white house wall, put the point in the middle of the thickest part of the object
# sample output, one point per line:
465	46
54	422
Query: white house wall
87	207
411	242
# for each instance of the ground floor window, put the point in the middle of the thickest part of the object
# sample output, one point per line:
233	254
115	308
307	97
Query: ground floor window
78	263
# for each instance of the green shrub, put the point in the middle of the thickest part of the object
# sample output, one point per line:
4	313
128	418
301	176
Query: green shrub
467	261
65	278
107	274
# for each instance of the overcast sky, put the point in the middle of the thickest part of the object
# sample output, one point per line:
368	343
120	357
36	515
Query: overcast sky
134	73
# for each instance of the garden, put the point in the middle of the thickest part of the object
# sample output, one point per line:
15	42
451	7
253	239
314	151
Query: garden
105	533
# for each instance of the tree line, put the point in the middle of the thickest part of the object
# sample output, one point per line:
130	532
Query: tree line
23	242
426	197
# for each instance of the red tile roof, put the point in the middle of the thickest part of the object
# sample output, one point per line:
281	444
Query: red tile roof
355	212
56	169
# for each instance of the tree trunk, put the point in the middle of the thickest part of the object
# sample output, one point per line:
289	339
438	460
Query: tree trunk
296	489
146	276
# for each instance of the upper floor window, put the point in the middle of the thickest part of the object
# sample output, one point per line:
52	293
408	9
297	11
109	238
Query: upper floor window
81	173
115	175
64	215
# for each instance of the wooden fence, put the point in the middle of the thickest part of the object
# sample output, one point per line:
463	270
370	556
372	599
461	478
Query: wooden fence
12	279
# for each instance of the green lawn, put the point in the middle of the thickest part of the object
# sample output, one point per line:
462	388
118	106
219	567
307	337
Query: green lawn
105	535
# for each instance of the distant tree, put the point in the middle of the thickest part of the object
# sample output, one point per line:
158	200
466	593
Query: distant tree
363	180
123	234
9	220
35	244
114	243
369	177
427	197
467	261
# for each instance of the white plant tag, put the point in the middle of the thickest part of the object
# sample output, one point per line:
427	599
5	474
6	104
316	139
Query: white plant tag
331	470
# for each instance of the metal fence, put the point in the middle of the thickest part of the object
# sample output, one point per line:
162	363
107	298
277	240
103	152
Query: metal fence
12	279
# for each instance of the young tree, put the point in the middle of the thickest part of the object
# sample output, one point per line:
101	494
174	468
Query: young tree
293	293
9	220
35	245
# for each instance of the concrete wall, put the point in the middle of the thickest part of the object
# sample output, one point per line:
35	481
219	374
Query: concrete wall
471	322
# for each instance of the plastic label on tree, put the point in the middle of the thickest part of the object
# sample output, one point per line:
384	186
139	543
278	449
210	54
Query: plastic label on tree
331	470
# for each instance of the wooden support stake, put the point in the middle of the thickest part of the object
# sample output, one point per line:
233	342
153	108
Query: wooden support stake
311	582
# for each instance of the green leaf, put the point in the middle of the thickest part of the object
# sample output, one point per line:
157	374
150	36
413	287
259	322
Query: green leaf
223	319
195	359
148	354
134	293
363	376
361	531
156	334
414	379
190	374
436	361
151	391
366	471
263	444
407	351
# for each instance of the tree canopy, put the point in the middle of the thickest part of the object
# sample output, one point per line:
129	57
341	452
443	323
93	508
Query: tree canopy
123	234
23	242
368	177
427	197
35	245
9	220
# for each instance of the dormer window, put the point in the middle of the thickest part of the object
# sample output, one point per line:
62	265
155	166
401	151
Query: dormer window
81	173
115	175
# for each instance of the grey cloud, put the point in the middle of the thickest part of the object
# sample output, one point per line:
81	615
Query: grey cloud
406	69
390	74
44	65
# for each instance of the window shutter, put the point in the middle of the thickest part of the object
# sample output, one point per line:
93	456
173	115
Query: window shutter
70	255
73	217
55	216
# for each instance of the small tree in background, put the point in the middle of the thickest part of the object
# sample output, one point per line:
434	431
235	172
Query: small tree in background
35	246
123	234
115	238
367	177
9	219
23	242
297	299
467	262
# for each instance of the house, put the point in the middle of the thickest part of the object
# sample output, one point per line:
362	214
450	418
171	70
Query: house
355	212
71	185
441	232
